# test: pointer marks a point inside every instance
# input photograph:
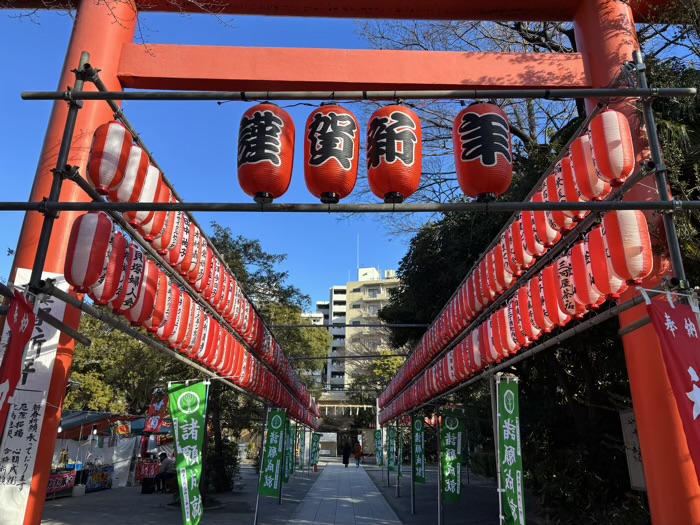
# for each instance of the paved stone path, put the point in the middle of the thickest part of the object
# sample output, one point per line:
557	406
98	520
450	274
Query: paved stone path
344	496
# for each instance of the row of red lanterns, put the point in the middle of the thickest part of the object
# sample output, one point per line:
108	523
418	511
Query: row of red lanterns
600	267
121	170
576	282
115	273
578	177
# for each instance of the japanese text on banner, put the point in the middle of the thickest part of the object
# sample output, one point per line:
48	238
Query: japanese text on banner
188	406
418	448
271	475
510	455
378	445
391	449
451	433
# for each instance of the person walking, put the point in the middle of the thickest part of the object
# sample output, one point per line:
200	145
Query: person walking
346	454
358	454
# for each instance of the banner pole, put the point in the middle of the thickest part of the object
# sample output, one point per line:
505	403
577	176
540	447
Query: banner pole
494	412
266	413
308	466
399	459
439	473
381	439
388	451
413	465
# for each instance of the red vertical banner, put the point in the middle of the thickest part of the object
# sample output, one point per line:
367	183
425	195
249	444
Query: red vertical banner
158	411
20	322
676	325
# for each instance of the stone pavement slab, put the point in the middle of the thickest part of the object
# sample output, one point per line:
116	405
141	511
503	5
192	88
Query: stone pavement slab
344	496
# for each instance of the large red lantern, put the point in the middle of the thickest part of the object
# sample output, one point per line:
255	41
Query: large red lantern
331	153
590	186
134	177
394	153
525	314
506	325
109	155
111	285
604	278
265	152
89	249
553	191
628	244
611	144
483	151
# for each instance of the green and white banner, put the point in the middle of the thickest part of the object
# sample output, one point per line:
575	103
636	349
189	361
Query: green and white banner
302	447
378	446
188	406
418	448
271	474
315	447
288	461
391	449
399	456
451	431
509	451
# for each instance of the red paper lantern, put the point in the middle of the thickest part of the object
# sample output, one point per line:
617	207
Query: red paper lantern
473	298
517	333
265	152
394	153
626	235
111	285
525	314
567	190
194	246
132	280
331	153
506	328
566	291
197	273
176	256
182	323
109	155
584	289
546	228
156	225
590	186
144	306
604	277
536	302
475	345
488	294
529	237
165	242
483	151
134	177
154	322
172	305
489	352
510	264
549	286
611	145
89	249
494	283
553	191
150	187
517	250
203	269
502	272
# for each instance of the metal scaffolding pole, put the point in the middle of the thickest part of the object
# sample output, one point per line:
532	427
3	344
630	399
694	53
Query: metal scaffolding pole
460	207
50	215
466	94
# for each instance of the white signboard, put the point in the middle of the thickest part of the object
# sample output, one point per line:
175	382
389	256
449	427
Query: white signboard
20	440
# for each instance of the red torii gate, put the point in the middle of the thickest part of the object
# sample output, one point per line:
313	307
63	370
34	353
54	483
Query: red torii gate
605	35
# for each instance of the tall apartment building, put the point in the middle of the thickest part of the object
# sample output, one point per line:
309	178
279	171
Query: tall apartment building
316	319
355	304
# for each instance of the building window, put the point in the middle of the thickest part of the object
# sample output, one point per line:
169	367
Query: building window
356	290
356	306
372	309
373	293
356	323
337	374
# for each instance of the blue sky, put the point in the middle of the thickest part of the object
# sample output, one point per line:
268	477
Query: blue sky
194	142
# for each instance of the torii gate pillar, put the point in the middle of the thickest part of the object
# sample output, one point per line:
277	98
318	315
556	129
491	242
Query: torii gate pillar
96	29
606	36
